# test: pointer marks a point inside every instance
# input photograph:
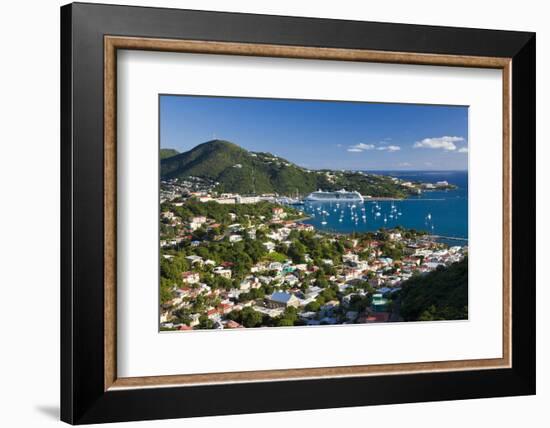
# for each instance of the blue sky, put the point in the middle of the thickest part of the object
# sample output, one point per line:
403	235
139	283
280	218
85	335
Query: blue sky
323	134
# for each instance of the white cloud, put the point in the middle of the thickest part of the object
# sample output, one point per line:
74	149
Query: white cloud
389	148
446	143
463	150
363	146
338	145
428	163
360	147
404	164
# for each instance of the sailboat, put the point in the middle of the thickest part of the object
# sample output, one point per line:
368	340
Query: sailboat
324	221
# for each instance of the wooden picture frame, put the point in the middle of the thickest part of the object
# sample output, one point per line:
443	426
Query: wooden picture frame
91	390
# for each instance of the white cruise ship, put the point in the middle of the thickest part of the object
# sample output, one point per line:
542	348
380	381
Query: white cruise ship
338	195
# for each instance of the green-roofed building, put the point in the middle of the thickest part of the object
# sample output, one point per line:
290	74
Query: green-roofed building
379	304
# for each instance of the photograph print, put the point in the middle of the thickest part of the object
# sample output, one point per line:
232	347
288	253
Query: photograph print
281	212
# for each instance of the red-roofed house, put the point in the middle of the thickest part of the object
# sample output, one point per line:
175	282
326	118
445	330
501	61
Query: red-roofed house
378	317
233	324
225	308
212	313
190	277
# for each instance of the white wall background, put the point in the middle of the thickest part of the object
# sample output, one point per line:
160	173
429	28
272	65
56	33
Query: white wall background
29	218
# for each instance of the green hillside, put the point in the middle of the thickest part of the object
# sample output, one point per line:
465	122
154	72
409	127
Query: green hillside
439	295
240	171
166	153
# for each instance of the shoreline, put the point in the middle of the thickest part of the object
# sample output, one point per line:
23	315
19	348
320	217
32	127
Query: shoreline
412	197
340	233
383	198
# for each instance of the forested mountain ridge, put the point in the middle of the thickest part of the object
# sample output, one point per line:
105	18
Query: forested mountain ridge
166	153
237	170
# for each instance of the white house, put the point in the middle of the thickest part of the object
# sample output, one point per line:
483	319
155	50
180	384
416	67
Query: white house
245	285
168	215
197	222
194	259
194	320
291	280
275	236
247	199
282	299
269	246
226	273
276	266
235	238
313	292
350	257
278	213
190	277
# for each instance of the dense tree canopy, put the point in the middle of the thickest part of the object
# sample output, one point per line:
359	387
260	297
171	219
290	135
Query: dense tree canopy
438	295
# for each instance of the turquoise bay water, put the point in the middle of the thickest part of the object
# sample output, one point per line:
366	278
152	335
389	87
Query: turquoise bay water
443	213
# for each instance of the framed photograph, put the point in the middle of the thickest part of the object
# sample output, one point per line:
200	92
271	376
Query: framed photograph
267	213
